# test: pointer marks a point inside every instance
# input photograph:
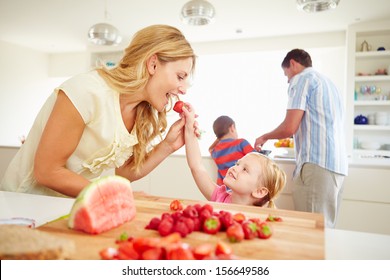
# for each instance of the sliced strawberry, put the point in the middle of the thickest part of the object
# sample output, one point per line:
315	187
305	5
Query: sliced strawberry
239	217
272	218
171	239
141	244
180	253
126	251
109	253
203	251
153	254
223	248
176	205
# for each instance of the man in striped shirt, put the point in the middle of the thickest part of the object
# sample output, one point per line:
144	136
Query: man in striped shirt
227	148
315	117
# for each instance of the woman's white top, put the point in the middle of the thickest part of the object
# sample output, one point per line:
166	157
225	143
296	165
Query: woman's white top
105	143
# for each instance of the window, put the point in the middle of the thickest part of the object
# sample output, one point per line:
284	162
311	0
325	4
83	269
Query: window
250	88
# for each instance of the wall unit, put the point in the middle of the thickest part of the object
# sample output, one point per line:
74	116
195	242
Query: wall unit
368	91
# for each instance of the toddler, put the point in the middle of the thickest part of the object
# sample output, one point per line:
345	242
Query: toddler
254	180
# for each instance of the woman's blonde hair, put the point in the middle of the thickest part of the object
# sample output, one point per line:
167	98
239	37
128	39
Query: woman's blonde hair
273	178
131	75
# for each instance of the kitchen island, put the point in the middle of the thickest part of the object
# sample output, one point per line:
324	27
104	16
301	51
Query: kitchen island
328	243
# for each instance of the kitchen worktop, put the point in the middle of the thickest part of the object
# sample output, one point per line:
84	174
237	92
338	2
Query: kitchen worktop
339	244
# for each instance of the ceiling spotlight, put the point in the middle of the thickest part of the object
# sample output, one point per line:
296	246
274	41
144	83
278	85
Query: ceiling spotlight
104	34
313	6
197	12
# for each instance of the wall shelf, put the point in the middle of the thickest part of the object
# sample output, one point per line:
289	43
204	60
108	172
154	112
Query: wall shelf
367	127
372	103
361	69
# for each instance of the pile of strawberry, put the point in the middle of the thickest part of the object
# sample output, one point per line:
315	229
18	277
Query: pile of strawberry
203	218
169	247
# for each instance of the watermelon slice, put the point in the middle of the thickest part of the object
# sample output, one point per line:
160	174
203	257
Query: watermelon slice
102	205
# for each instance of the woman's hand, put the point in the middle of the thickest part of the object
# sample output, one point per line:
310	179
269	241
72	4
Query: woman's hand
175	135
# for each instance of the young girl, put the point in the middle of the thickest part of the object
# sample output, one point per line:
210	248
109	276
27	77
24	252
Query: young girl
254	180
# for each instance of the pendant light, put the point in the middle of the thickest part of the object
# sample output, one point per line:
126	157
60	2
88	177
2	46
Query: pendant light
313	6
104	34
197	12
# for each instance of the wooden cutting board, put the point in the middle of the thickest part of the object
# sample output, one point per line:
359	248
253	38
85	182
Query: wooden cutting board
299	236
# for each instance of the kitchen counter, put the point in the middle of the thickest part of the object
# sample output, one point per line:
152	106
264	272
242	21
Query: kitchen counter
339	244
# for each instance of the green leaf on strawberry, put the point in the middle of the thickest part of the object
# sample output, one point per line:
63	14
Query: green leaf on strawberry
211	225
264	231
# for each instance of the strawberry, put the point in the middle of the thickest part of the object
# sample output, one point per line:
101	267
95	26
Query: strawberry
211	225
235	233
178	107
226	219
202	251
176	205
153	224
190	211
271	218
197	224
165	227
208	207
167	216
250	229
239	217
177	215
204	214
223	248
189	223
181	227
198	207
264	230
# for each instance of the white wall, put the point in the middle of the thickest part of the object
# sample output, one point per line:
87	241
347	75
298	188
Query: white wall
24	86
249	75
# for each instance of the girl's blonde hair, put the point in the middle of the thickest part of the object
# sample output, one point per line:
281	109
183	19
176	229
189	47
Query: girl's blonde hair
273	178
131	75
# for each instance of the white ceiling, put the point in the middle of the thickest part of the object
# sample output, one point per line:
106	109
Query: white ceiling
61	25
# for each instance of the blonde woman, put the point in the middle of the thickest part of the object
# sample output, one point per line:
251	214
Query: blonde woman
107	119
254	180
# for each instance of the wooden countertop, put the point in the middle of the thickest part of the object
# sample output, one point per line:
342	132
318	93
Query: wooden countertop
299	236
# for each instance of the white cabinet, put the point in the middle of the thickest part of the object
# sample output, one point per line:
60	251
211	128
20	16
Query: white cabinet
368	90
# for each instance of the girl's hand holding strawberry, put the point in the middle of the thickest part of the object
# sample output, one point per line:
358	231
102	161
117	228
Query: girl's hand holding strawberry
191	124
